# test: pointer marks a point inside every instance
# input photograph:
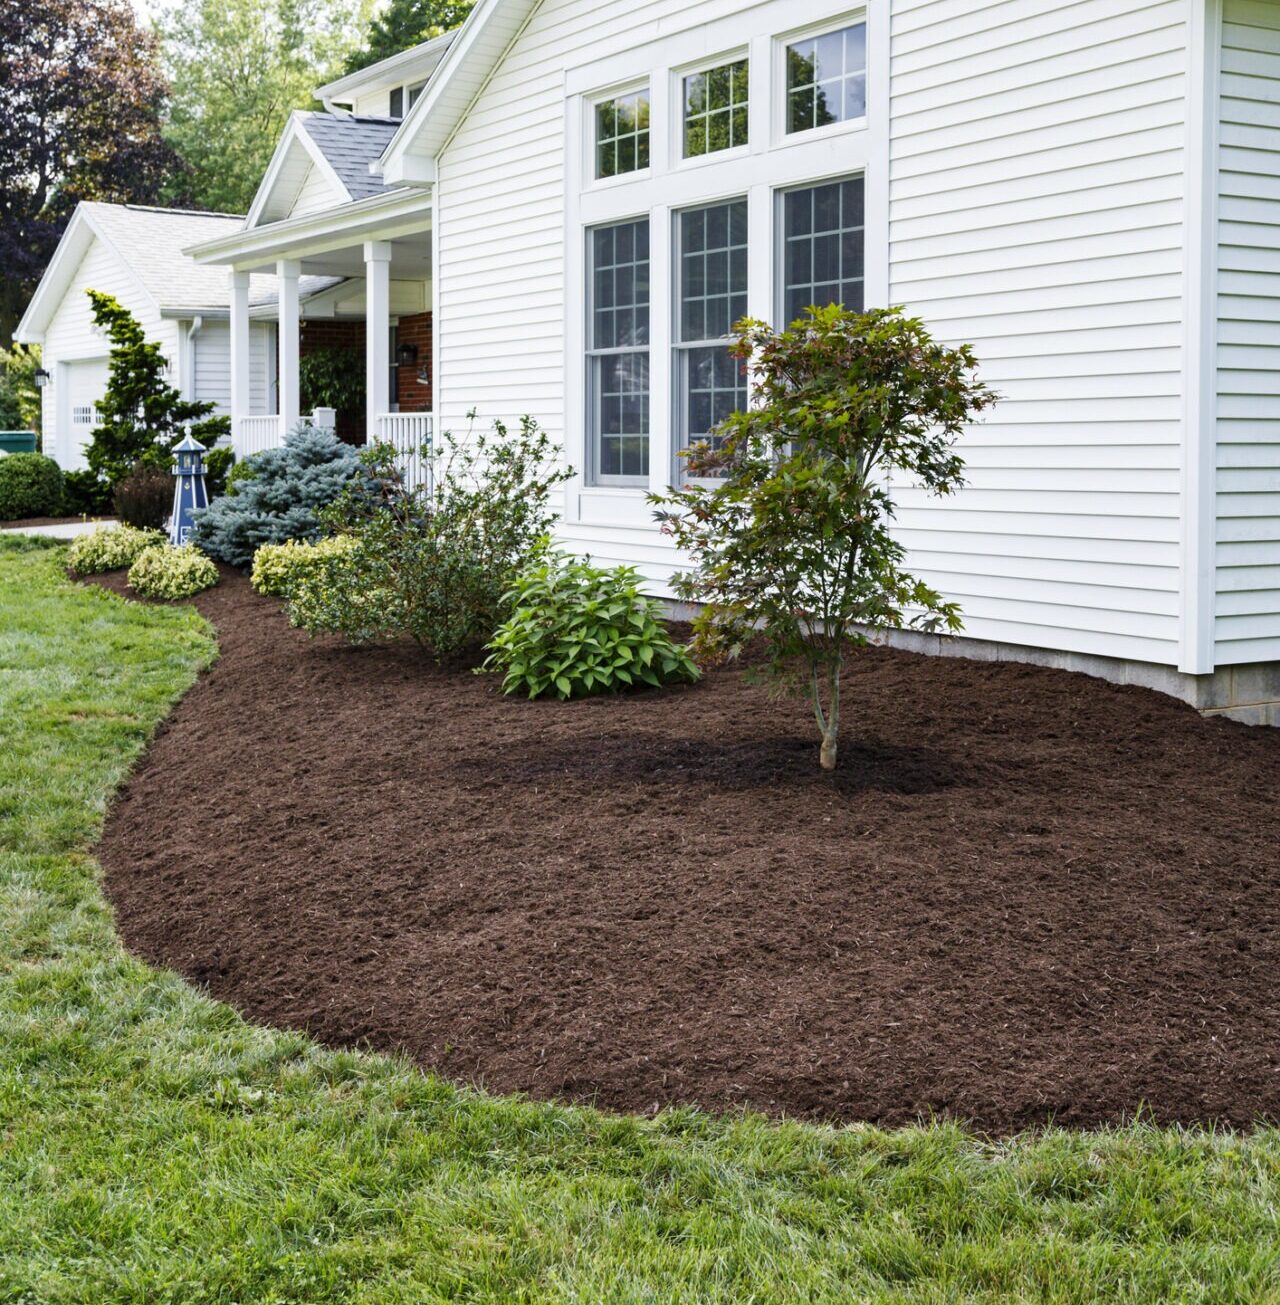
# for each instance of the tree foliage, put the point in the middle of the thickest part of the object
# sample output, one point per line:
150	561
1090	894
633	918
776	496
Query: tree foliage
19	393
80	118
406	23
239	68
141	416
792	536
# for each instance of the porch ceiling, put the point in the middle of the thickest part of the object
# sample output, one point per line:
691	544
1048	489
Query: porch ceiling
410	260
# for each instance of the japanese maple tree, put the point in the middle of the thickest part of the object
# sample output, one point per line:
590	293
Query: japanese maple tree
787	514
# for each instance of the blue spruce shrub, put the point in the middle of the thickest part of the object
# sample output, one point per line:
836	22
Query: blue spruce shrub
281	498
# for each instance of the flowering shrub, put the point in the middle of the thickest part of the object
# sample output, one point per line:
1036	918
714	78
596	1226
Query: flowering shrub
278	568
578	629
109	548
162	571
435	563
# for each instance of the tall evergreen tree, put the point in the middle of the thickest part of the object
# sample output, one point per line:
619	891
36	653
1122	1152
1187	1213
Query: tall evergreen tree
81	101
406	23
141	416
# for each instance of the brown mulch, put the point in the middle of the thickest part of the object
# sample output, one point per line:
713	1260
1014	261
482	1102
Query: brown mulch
1025	894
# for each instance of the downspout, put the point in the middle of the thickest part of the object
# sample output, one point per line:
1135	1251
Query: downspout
189	380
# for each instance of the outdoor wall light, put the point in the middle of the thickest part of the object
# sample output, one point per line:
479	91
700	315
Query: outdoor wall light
42	378
407	355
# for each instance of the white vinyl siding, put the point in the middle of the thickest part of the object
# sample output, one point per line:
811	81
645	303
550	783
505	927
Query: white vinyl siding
1247	620
212	365
1036	200
315	194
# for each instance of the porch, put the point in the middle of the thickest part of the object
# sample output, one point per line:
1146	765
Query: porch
377	255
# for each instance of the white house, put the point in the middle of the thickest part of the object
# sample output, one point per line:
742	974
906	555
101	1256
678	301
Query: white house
587	192
136	254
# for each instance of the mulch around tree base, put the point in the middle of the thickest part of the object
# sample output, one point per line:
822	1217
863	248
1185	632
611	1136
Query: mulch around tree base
1024	895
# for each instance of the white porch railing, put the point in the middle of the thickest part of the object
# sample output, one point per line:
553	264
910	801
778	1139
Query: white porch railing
409	433
258	433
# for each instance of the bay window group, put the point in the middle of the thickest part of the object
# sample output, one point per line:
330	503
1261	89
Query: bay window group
712	272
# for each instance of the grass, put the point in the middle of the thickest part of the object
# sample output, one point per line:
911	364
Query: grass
155	1148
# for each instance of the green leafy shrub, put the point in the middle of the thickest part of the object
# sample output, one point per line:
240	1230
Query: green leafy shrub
163	571
281	499
435	564
578	629
793	539
144	498
30	486
109	548
240	472
84	494
277	568
218	464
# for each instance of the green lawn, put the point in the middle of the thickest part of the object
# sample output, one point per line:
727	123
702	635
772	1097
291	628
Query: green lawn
153	1147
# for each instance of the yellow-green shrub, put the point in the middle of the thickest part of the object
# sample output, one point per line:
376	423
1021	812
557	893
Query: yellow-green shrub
109	548
277	568
166	572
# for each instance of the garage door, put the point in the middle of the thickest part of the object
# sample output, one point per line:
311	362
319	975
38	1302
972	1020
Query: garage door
87	381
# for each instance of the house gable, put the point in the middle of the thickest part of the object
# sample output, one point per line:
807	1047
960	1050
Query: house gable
297	174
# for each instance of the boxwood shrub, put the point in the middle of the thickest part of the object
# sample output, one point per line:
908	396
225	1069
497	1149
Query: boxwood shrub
577	629
30	486
109	548
163	571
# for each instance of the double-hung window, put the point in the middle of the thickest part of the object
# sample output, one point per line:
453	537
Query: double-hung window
711	295
822	246
618	351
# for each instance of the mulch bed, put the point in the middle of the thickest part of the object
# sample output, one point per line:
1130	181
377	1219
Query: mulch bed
1025	894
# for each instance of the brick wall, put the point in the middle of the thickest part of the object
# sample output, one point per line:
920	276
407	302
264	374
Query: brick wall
332	333
415	395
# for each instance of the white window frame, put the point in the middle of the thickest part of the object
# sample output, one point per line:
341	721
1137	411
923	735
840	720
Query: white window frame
771	161
675	90
779	319
779	107
591	450
643	85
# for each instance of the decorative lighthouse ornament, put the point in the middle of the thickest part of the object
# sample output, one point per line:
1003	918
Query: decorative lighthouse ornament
189	490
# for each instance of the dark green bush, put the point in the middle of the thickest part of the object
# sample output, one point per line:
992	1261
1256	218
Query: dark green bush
435	564
218	465
578	629
84	494
144	498
281	499
30	486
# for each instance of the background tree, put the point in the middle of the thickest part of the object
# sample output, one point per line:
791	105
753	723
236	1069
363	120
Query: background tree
792	541
80	118
239	67
141	416
406	23
19	394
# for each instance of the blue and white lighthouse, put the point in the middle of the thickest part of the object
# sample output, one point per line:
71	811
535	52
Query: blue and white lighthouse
189	490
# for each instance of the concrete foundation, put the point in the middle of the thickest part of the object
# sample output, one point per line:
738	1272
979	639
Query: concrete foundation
1248	693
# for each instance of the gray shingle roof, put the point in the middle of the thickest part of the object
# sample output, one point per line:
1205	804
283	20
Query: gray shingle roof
151	241
350	144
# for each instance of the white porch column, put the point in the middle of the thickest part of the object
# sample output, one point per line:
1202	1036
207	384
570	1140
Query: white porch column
240	403
377	332
287	272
